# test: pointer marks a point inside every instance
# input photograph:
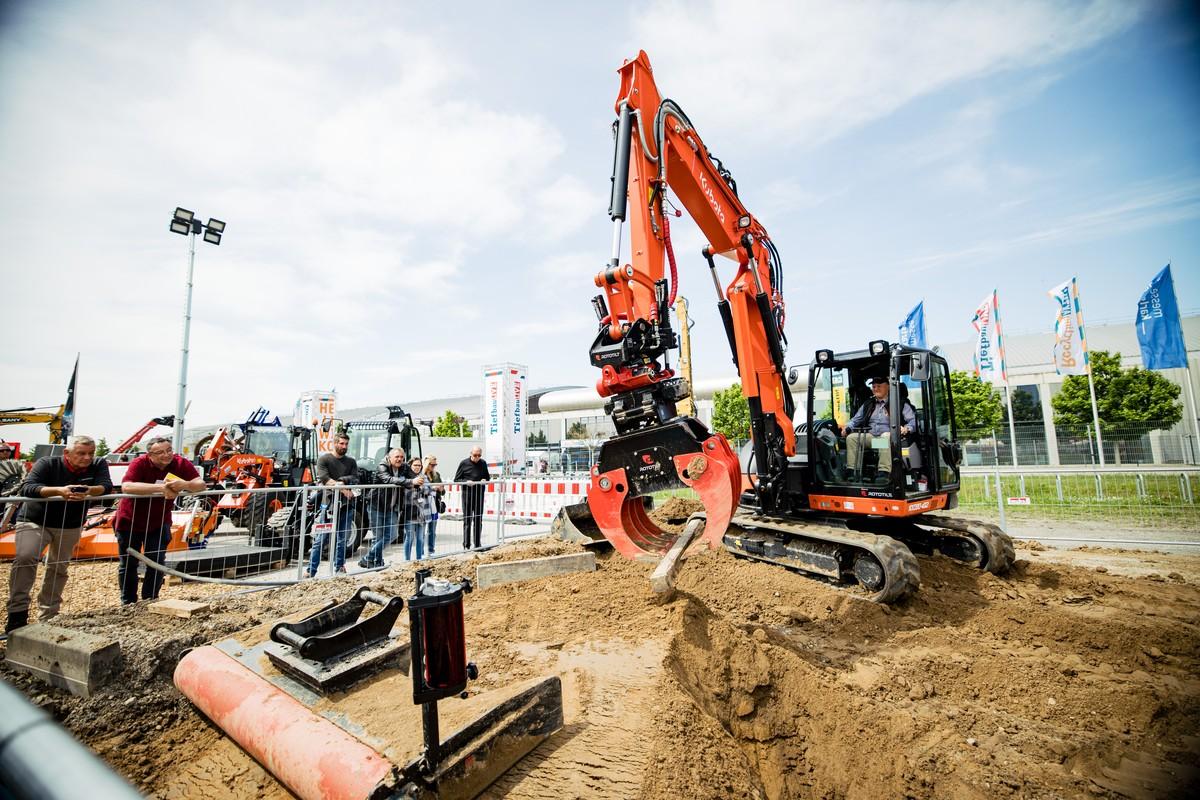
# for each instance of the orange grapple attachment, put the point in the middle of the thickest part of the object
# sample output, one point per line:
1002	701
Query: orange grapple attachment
714	473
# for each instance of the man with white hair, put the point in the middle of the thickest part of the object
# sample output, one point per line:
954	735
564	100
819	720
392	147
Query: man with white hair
65	482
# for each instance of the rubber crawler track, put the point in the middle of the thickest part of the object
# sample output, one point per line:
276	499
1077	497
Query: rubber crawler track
998	547
901	570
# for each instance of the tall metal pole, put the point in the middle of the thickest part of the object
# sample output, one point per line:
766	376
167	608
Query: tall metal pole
181	402
1095	414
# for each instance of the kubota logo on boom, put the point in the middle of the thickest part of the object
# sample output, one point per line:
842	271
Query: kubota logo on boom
712	199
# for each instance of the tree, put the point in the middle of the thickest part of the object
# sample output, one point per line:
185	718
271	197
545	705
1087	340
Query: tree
577	430
731	413
1025	408
977	405
102	448
1130	401
536	438
450	424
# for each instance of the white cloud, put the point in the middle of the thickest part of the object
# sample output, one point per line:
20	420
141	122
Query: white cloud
807	72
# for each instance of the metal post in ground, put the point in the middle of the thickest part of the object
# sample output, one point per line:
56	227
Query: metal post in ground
1058	486
1000	502
503	512
333	535
301	565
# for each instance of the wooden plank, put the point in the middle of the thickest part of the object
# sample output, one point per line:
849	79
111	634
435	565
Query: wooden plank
662	581
178	608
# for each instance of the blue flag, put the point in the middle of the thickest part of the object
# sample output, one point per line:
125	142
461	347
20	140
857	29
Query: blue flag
1159	332
912	330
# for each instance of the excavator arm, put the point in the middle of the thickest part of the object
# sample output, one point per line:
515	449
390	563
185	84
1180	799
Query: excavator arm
127	445
657	148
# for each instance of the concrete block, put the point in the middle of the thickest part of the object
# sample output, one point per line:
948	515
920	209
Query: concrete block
77	661
178	608
511	571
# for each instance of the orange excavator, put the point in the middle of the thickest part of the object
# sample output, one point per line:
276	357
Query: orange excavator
838	501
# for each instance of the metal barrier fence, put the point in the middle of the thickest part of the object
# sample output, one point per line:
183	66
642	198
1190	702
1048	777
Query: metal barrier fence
1160	498
1075	445
268	536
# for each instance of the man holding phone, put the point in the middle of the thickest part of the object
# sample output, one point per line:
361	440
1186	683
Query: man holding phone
67	482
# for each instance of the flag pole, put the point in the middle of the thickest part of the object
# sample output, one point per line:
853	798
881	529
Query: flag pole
1087	360
1095	413
1187	371
1012	428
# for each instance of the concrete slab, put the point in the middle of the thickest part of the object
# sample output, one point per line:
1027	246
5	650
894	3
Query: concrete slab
77	661
178	608
512	571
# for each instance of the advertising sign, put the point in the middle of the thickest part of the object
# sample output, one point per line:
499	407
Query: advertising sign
989	346
314	408
504	412
1070	346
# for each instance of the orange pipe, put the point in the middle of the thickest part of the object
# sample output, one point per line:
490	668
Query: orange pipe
307	753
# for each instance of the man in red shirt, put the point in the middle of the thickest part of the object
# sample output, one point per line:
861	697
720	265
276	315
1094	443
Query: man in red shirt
161	476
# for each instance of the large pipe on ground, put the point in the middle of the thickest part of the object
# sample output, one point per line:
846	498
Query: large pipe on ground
310	755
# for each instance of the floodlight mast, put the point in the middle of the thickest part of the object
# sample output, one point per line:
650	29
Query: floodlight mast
185	224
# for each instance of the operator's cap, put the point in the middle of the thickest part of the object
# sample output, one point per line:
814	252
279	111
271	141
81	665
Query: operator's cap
876	379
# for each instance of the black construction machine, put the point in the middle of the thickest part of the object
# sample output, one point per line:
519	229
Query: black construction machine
844	495
370	441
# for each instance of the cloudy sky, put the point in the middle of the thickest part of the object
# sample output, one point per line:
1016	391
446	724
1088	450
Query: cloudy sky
413	192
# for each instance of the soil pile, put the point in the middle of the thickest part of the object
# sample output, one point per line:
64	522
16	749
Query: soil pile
1054	681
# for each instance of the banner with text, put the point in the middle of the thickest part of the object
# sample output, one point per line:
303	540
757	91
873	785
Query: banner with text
504	412
989	344
313	409
1158	329
1070	344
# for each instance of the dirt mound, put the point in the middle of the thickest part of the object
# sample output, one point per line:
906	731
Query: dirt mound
673	514
1054	681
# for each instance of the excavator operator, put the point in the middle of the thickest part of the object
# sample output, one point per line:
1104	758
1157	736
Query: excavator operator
872	420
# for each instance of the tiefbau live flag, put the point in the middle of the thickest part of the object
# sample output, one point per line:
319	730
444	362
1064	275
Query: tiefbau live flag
1070	346
989	346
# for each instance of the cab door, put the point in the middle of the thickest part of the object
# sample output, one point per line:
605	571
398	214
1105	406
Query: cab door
946	454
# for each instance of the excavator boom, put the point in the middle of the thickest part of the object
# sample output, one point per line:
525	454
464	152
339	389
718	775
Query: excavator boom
657	449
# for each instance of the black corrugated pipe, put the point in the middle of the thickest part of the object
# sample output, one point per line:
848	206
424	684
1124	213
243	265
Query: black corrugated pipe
39	760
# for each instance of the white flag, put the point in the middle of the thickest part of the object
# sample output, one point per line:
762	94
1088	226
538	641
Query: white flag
1070	348
989	346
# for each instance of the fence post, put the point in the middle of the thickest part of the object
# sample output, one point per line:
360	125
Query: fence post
337	496
987	489
1000	501
301	565
1022	482
1099	487
1185	485
1058	486
1141	485
503	511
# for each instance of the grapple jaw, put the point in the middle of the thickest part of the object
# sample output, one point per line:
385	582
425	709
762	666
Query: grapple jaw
682	453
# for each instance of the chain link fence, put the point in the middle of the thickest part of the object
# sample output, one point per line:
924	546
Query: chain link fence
1075	445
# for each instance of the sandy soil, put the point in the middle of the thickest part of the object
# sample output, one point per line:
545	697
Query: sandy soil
1071	677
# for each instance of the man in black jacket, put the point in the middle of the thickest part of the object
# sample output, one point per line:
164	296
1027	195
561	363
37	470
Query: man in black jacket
396	476
475	470
71	479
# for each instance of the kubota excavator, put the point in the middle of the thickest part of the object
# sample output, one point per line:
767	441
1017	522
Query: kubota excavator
843	506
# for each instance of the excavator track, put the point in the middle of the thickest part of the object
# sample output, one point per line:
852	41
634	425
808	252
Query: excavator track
881	565
998	553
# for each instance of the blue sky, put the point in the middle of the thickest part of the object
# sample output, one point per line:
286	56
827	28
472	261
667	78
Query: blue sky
412	193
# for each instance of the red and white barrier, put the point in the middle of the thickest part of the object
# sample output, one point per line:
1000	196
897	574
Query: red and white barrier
535	499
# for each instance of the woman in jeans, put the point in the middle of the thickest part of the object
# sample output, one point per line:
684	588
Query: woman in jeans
416	514
432	476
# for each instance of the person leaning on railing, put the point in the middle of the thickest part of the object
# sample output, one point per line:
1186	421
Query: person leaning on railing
74	477
387	504
159	476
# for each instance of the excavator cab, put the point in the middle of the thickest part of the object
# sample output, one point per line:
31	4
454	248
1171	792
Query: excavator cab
881	426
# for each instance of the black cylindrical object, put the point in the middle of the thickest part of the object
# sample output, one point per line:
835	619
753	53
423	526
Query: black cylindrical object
617	202
39	759
439	642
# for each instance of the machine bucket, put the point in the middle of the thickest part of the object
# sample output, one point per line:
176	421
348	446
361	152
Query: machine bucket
713	471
